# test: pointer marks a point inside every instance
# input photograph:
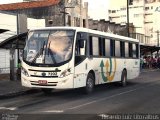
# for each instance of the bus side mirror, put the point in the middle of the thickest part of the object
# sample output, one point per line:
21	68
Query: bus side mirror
81	43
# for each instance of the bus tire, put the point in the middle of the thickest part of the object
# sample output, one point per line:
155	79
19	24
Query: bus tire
123	79
47	90
90	84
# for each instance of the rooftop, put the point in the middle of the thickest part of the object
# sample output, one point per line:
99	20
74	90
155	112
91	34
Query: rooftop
27	5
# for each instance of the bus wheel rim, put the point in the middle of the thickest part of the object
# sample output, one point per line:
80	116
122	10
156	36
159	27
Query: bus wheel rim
90	83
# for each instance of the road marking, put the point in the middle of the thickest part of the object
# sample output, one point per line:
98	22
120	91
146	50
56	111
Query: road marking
8	108
98	100
101	99
54	111
106	98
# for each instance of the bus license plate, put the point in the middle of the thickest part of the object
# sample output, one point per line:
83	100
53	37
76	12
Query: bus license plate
42	82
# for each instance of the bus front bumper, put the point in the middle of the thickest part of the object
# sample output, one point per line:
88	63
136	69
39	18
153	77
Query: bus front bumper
57	83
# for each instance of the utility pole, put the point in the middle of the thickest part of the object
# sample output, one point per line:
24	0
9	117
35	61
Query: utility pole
81	20
157	37
64	14
128	19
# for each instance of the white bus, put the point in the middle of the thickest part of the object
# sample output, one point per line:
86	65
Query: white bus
73	57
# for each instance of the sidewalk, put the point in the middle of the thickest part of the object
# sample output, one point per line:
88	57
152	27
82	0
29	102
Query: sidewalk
11	88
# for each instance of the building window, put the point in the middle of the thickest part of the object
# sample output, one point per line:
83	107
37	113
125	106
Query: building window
123	8
123	15
137	15
113	11
84	23
146	8
130	2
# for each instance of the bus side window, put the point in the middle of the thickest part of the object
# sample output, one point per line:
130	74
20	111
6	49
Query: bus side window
137	51
95	46
112	42
134	50
94	43
122	49
107	47
90	46
130	50
80	44
126	49
117	49
80	48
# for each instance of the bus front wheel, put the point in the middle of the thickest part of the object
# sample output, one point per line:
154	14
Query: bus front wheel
123	79
90	84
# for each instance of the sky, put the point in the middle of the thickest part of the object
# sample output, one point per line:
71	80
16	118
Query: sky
98	9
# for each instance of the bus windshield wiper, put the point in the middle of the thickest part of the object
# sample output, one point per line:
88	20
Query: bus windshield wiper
40	52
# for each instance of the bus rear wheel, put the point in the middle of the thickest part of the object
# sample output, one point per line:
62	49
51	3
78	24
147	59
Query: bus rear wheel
47	90
123	79
90	84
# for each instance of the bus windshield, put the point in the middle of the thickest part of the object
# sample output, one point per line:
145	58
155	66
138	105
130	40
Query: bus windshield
48	46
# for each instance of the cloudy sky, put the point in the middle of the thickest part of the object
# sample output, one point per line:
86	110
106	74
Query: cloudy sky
97	8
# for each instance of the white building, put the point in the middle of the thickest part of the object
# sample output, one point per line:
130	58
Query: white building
144	14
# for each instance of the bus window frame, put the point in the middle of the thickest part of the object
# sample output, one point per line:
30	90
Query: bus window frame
81	57
103	38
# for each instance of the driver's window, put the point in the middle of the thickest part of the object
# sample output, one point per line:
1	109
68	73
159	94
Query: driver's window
81	44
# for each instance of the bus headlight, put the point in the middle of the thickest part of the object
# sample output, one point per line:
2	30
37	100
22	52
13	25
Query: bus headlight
66	73
24	72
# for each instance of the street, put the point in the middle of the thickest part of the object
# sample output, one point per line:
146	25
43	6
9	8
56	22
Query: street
140	96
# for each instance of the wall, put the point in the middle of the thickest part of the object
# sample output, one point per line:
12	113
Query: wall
35	23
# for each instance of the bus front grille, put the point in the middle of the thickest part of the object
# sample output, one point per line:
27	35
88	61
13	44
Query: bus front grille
44	76
43	84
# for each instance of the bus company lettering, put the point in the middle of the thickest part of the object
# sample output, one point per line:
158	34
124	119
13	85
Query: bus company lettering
109	73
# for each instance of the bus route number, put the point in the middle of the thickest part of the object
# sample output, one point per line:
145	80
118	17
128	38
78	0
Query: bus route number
52	73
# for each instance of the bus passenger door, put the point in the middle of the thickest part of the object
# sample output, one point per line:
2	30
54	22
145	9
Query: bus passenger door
80	60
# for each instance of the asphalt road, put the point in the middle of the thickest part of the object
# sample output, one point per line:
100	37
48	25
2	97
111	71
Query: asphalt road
140	96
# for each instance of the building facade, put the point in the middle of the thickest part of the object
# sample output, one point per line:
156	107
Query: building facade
54	12
77	13
32	14
144	15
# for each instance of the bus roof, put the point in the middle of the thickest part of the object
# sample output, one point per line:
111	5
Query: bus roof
80	29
